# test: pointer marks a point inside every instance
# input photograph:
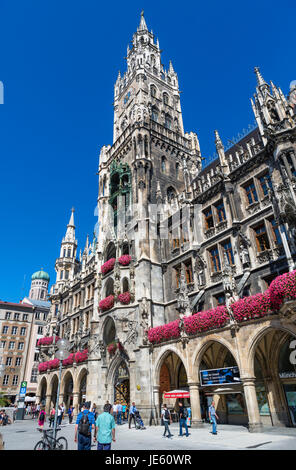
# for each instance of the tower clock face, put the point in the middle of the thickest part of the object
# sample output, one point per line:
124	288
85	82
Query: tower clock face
127	97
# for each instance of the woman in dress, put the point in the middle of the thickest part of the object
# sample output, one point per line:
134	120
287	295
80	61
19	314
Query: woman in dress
41	418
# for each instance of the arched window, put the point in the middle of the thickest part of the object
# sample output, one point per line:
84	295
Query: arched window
168	121
109	288
177	169
163	164
165	98
125	286
69	253
154	115
171	194
153	91
125	249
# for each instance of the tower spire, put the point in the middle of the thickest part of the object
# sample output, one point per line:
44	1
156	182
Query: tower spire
71	221
260	79
143	26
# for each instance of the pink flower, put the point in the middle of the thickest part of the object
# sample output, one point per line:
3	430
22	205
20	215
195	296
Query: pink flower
106	303
69	361
43	366
282	287
124	260
124	298
54	364
46	340
81	356
111	348
108	266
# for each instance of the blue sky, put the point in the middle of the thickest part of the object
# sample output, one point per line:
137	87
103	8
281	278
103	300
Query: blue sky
58	63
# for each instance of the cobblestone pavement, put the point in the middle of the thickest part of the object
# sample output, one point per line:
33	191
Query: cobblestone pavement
23	435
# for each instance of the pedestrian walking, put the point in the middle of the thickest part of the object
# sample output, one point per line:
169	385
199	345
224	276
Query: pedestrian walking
70	414
213	417
132	412
119	413
41	418
51	417
105	430
110	407
183	415
115	407
124	412
84	424
94	411
63	408
60	415
167	419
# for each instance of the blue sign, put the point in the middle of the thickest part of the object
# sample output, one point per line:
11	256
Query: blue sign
23	389
228	375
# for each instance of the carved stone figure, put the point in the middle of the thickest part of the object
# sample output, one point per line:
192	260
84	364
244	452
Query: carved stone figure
183	302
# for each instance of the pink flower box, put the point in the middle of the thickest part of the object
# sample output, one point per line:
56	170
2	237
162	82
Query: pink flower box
43	366
106	303
281	288
108	266
69	361
46	341
54	364
124	298
124	260
81	356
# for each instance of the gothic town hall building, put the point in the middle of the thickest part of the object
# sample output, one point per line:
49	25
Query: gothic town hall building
186	272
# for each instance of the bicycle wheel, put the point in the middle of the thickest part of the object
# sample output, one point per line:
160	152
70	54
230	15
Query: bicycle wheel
41	446
62	444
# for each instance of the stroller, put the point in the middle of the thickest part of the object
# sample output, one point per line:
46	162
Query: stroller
139	421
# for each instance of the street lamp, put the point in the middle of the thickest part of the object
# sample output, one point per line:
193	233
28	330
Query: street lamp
61	354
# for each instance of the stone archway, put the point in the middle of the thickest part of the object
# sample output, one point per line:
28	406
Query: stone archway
67	385
170	374
43	391
220	381
275	375
54	390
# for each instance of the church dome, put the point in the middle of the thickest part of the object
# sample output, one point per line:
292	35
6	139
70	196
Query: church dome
40	275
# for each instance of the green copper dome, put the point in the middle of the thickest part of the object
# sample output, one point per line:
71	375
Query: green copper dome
40	275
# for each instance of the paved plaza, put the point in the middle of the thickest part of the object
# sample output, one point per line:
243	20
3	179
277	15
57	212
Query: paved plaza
23	435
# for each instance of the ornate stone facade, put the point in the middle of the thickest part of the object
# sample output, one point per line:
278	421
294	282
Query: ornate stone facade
175	238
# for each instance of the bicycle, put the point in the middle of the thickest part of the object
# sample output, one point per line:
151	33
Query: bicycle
48	442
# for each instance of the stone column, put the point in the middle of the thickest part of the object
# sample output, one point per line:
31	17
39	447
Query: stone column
47	404
61	398
75	404
156	389
255	424
196	421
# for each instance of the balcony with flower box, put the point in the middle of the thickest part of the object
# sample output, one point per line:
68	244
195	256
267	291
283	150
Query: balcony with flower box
281	291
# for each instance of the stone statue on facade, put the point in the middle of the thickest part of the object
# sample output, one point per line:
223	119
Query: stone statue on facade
229	286
183	302
144	314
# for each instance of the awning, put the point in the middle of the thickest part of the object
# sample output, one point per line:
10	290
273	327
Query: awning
177	394
30	398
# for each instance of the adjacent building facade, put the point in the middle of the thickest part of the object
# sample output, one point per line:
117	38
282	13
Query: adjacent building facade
176	238
21	326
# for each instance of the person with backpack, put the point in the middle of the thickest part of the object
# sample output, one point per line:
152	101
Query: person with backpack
183	415
166	417
84	424
41	419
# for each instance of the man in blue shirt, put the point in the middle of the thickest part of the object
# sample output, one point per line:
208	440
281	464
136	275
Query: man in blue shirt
84	430
105	429
132	411
213	417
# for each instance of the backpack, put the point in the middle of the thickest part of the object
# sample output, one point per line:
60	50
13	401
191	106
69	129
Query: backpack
42	416
185	413
167	414
83	426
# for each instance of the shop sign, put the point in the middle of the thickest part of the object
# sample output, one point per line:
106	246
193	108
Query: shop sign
228	375
287	375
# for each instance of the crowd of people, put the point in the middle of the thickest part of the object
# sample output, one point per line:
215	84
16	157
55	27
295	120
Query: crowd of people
101	427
